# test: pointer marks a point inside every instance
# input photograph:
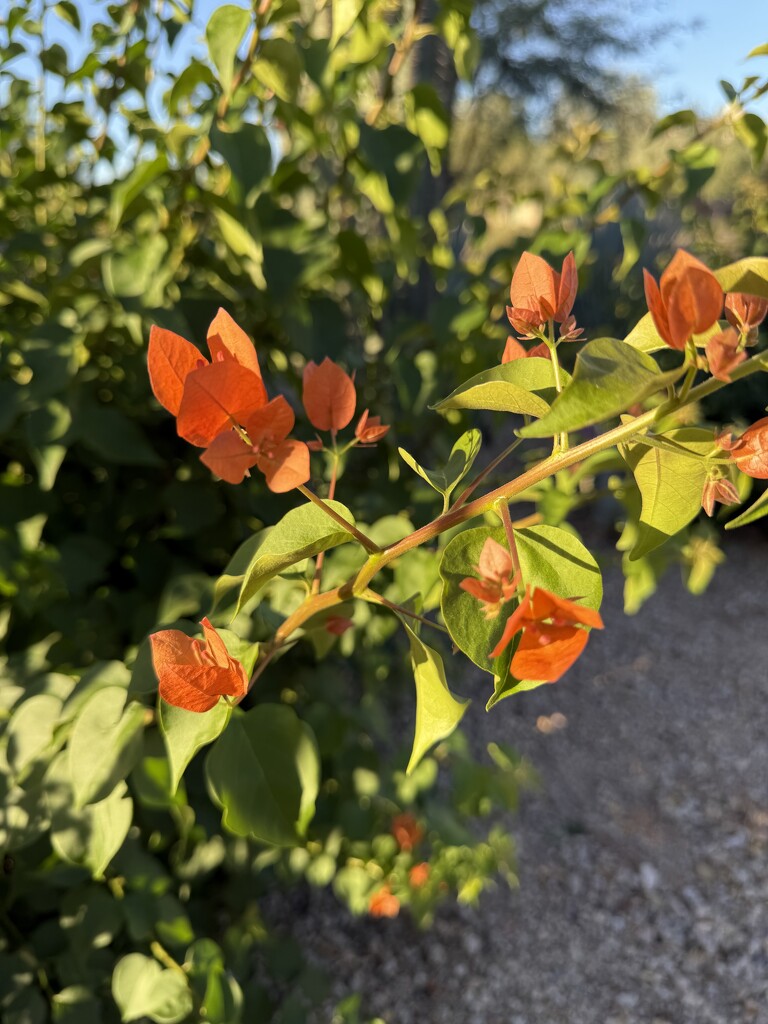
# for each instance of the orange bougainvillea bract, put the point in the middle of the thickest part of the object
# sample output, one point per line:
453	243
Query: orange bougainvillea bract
329	395
383	903
750	451
745	312
552	637
498	581
222	405
407	831
718	489
370	429
418	876
284	462
192	673
538	293
514	350
688	301
724	353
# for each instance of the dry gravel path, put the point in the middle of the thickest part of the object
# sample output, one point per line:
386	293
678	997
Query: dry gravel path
643	861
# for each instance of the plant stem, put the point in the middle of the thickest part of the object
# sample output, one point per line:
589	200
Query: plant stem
357	585
485	472
361	538
561	440
374	598
318	577
502	510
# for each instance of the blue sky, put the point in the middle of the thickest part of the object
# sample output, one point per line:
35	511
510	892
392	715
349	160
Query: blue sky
686	69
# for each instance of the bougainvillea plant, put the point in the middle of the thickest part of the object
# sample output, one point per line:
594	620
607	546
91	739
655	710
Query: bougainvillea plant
519	598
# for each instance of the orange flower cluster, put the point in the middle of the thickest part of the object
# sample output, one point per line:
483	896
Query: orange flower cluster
407	831
383	903
750	451
688	301
222	405
539	294
193	674
498	580
552	635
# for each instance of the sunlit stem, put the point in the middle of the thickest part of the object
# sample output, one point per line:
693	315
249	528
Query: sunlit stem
635	427
486	472
561	440
318	578
374	598
360	537
502	510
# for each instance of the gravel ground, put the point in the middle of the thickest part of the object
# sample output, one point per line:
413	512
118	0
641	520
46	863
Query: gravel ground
643	861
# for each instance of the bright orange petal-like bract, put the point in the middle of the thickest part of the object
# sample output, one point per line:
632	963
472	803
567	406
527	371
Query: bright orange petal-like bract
534	286
370	429
193	674
724	354
745	312
750	451
229	457
383	903
688	299
215	398
226	339
170	360
407	831
286	466
329	395
552	637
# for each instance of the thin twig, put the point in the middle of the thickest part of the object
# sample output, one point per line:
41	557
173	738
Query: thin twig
374	598
360	537
485	472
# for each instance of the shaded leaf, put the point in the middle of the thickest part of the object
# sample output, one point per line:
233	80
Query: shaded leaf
186	732
264	772
438	712
142	988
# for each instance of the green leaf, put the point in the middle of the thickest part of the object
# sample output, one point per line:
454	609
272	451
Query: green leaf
645	338
344	14
264	773
104	744
113	436
301	533
92	835
756	511
129	272
550	557
186	732
511	387
142	988
438	712
463	614
224	33
751	130
749	275
31	729
759	51
132	186
670	484
463	454
610	376
679	117
248	153
278	66
242	243
426	116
